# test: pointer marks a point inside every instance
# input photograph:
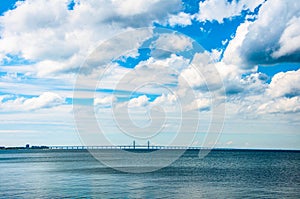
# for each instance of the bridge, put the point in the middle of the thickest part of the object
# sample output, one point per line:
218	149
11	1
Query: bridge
125	147
128	147
134	146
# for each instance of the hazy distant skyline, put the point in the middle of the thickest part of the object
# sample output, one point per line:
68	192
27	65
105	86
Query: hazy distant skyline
255	45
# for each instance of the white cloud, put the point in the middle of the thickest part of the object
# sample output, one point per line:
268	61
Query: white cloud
271	38
2	97
192	77
173	42
48	33
34	33
45	100
281	105
218	10
290	39
175	62
285	84
181	19
125	45
202	73
281	96
216	54
105	101
140	101
132	7
18	84
165	99
231	54
153	74
243	87
169	102
129	8
202	104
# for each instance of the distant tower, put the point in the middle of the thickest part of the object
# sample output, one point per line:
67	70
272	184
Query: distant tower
27	146
133	144
148	144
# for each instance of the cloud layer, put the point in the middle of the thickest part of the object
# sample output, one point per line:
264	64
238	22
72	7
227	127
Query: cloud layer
45	100
44	43
60	39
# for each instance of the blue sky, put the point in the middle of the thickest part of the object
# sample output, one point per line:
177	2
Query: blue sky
137	57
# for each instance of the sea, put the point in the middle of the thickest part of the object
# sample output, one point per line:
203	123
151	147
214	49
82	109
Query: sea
221	174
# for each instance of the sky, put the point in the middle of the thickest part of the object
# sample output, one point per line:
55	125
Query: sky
213	73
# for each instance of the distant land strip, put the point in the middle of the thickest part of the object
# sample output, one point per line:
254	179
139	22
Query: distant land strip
137	147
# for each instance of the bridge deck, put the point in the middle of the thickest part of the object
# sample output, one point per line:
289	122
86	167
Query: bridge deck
125	147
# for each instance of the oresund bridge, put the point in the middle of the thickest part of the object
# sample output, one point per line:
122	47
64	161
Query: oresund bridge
128	147
133	146
124	147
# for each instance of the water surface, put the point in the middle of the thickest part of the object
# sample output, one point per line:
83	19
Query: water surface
221	174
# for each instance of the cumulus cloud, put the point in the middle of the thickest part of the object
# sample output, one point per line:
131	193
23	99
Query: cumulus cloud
281	96
231	54
140	101
154	73
165	99
201	104
115	47
47	33
289	40
216	54
35	34
105	101
128	8
218	10
169	102
285	84
45	100
272	38
281	105
202	74
142	13
181	19
252	84
173	42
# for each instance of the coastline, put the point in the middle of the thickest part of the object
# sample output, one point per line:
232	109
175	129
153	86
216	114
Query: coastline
140	149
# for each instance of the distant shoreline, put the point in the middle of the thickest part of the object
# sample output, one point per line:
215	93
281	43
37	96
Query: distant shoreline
25	148
66	148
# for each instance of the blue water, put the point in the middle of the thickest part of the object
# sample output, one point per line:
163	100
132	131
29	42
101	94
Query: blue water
221	174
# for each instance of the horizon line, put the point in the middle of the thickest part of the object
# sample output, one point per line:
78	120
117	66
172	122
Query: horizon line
138	147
